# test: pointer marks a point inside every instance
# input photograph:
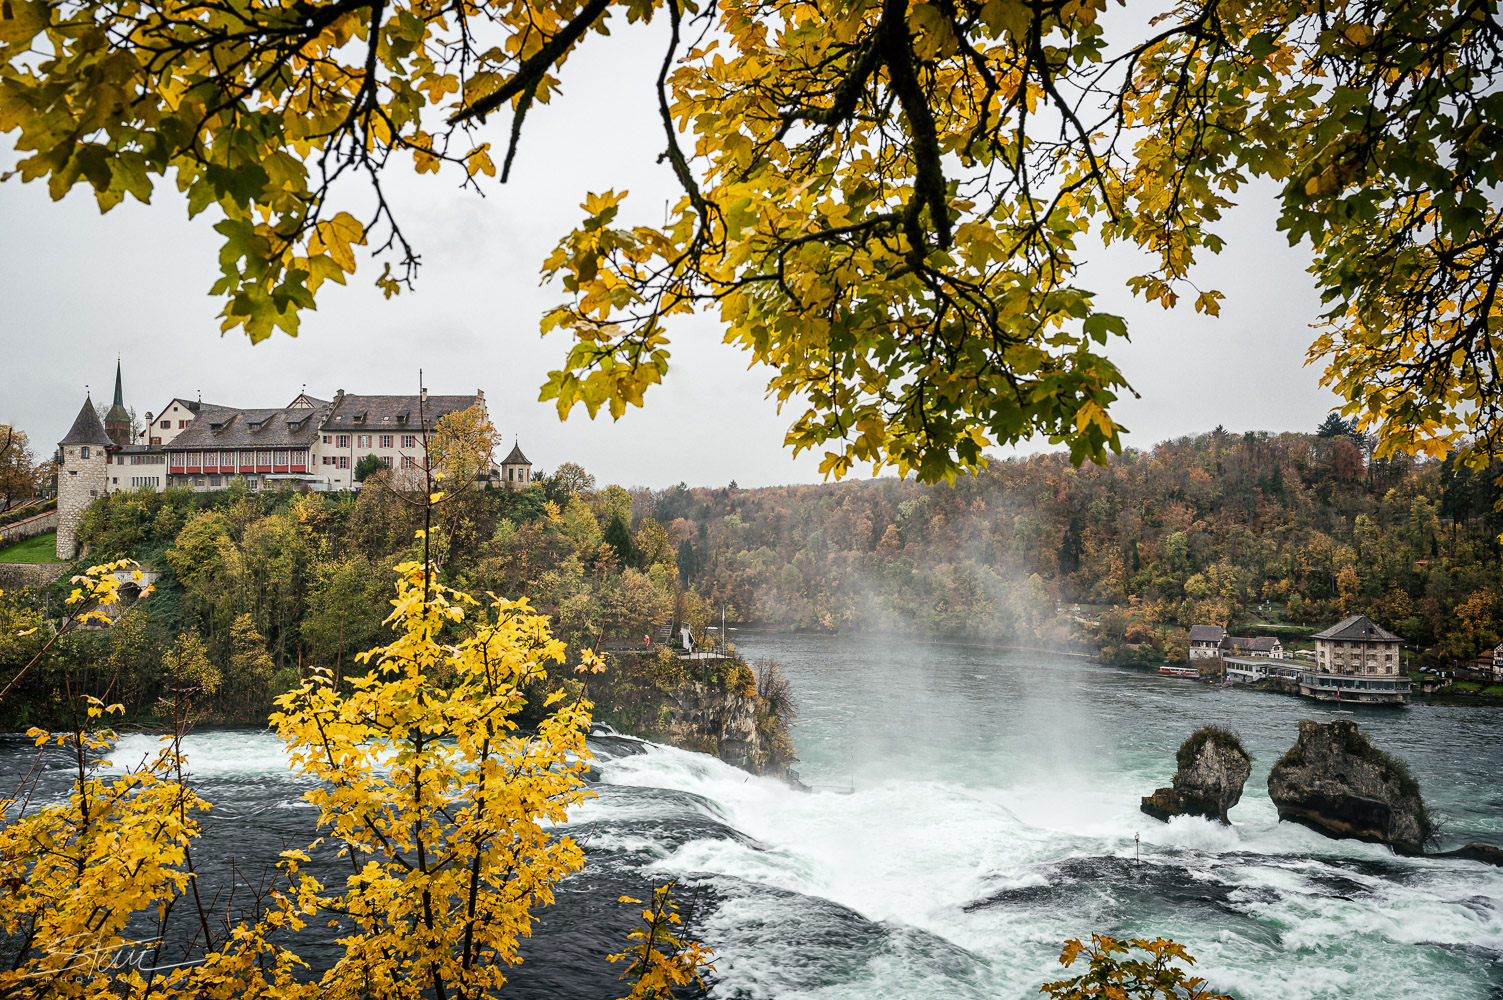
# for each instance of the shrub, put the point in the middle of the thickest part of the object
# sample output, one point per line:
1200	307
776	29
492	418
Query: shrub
1224	738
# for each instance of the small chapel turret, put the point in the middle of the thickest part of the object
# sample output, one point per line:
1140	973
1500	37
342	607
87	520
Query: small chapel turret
516	470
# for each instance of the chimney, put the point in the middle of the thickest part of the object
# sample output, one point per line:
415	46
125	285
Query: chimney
480	394
424	394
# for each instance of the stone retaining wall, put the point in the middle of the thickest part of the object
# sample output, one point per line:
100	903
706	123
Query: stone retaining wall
10	534
16	575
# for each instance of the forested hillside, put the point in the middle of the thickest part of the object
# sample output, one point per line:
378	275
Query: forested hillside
1200	529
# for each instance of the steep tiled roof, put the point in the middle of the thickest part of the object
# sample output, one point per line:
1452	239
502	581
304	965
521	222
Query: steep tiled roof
1358	627
391	413
1206	633
226	427
515	456
1265	643
86	427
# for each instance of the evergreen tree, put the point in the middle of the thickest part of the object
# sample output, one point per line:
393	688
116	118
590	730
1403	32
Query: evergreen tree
369	465
618	537
1334	427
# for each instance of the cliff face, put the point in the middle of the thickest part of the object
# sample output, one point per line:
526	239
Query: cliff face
1213	767
717	720
721	715
1337	783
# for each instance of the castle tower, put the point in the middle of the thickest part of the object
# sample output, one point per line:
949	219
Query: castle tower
117	421
516	471
81	473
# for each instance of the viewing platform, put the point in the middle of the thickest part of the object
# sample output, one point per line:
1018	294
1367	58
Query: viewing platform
1364	689
1311	682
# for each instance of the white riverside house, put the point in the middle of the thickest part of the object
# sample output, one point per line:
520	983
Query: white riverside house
310	443
1213	641
1206	640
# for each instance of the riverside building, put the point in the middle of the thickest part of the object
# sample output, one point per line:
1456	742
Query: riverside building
1356	660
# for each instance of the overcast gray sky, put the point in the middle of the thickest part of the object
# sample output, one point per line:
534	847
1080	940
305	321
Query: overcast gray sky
76	288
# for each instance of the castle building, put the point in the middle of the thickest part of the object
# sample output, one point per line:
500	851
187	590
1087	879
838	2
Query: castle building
393	428
310	443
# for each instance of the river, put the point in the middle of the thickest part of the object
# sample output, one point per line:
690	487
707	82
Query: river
976	808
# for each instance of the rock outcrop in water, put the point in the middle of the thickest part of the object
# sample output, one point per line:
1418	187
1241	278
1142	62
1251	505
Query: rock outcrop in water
1213	767
1337	783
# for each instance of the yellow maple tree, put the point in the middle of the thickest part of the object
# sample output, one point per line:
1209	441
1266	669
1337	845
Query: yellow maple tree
885	201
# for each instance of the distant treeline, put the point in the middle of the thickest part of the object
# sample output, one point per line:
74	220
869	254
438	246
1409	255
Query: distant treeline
1199	529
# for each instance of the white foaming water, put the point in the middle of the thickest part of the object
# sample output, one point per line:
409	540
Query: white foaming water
211	754
910	855
994	815
978	840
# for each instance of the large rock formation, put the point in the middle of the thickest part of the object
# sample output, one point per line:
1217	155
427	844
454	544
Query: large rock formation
719	713
1213	767
1337	783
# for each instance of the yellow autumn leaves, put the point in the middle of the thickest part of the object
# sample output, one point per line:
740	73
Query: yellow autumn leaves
447	812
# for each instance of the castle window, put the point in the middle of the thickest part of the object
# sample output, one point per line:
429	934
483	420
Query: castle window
409	440
213	482
362	441
386	440
408	462
342	441
181	423
83	452
166	425
344	461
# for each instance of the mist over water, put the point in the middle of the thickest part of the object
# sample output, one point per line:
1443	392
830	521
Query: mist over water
993	801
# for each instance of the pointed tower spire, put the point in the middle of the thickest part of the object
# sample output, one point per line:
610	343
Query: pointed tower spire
117	421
